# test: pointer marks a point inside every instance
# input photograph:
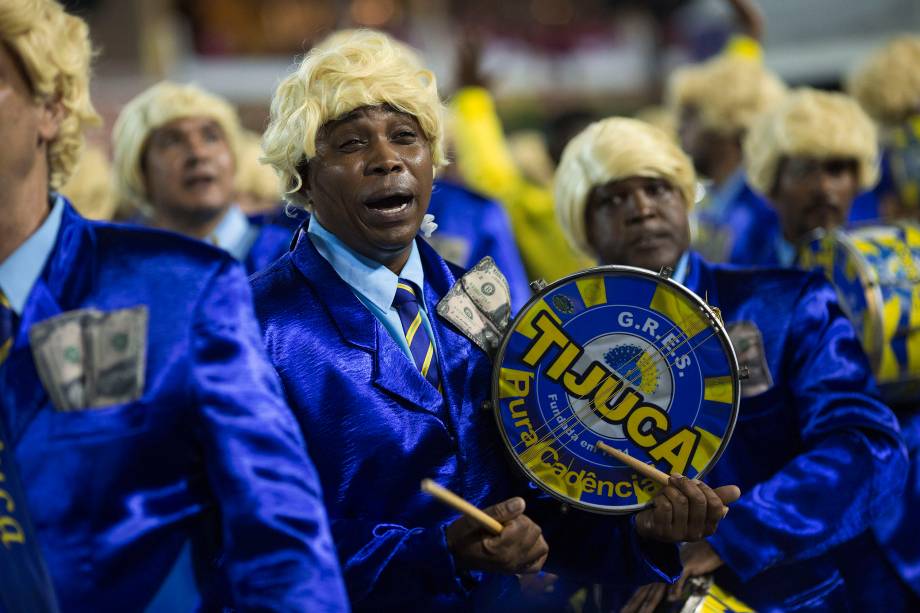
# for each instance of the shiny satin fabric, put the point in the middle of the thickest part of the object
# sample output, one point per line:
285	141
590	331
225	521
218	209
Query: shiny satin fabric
209	452
470	227
742	233
817	455
375	429
882	567
273	241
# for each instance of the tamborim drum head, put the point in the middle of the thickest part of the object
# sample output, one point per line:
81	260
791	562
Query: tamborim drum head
618	355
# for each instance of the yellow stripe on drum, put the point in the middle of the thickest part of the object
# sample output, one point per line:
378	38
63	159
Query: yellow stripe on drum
705	449
720	601
678	309
525	321
913	339
889	368
593	291
718	389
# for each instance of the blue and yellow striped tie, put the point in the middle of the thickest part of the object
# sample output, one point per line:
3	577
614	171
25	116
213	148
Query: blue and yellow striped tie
420	345
7	327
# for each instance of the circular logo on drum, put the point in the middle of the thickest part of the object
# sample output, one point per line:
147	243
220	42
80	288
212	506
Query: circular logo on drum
622	357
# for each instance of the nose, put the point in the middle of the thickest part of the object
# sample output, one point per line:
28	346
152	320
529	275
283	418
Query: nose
197	148
383	158
826	187
641	206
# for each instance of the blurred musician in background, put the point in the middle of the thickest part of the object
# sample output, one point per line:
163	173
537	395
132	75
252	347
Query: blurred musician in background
177	150
715	103
137	407
810	156
816	453
887	85
485	163
386	391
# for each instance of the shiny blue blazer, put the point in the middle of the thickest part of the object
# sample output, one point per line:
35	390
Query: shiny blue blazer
209	452
273	241
817	455
752	228
470	227
375	428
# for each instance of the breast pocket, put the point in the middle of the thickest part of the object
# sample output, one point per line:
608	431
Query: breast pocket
93	424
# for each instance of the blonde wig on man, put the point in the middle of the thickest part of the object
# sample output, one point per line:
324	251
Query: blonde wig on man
887	84
349	70
729	91
55	53
614	149
152	109
811	123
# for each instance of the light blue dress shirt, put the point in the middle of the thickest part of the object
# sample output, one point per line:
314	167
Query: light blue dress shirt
785	252
373	283
234	234
21	269
680	271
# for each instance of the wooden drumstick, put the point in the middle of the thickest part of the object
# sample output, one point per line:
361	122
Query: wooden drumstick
646	470
452	500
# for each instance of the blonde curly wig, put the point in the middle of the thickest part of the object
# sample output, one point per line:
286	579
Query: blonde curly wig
887	84
609	150
348	70
154	108
815	124
54	49
729	90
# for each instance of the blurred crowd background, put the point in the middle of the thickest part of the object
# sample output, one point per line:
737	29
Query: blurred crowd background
543	58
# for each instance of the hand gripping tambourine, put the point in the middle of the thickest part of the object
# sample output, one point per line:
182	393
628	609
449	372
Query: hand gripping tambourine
622	356
876	271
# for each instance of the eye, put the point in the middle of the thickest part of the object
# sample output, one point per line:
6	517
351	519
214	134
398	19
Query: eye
405	135
212	135
350	143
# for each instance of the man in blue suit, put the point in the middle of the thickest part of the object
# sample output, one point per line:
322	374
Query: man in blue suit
177	149
817	453
810	156
716	102
137	407
386	391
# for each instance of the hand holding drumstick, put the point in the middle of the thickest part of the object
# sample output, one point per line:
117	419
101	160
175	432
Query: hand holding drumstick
684	509
497	539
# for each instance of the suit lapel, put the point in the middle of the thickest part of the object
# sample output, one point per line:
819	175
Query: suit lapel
394	372
453	348
67	276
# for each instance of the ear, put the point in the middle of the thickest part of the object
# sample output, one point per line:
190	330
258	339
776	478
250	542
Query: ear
51	115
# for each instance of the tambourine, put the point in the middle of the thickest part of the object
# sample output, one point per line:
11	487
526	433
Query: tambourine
623	356
876	271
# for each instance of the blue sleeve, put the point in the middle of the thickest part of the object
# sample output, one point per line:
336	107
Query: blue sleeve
851	461
593	548
277	549
497	240
389	563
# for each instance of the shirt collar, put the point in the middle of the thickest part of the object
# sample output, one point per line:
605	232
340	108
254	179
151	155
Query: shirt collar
371	279
21	269
233	233
680	271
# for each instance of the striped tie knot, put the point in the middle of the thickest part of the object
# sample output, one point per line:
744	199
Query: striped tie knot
406	303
